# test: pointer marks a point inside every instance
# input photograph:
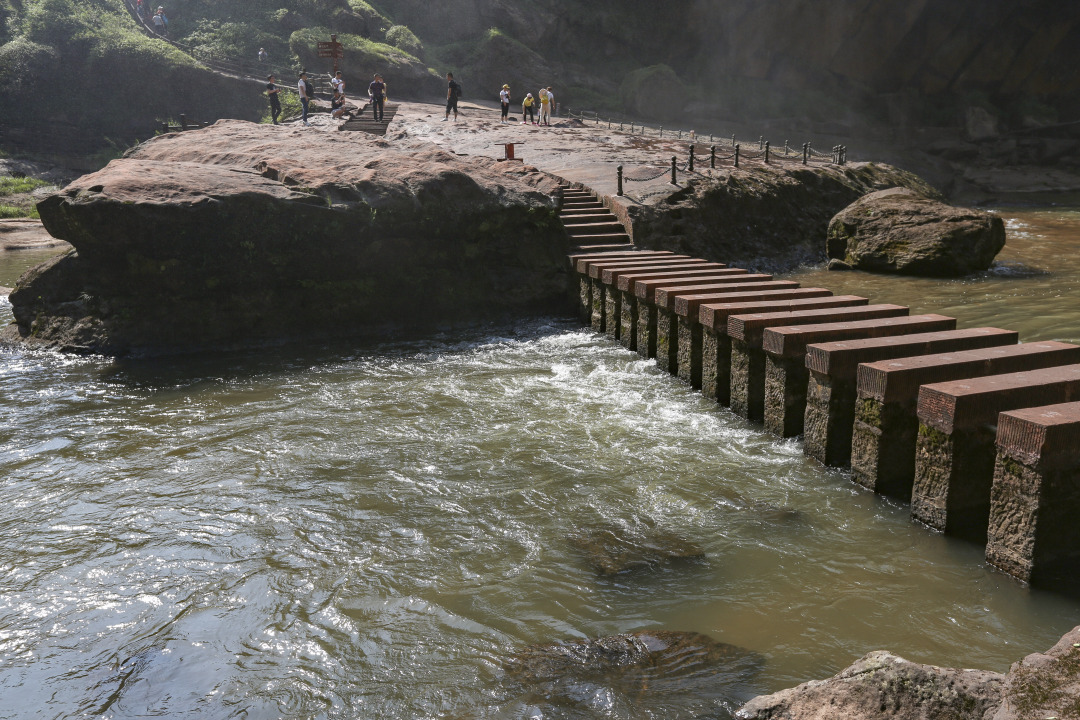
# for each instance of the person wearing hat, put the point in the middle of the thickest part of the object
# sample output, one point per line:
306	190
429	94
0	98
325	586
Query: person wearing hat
527	110
504	98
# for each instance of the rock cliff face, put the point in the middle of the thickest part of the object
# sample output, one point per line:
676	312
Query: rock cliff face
242	234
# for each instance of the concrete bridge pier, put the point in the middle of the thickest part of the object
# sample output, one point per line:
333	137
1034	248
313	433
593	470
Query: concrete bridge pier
629	301
1035	497
954	458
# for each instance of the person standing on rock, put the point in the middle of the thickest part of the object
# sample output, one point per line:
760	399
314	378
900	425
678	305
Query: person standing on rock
304	99
453	92
377	91
272	91
504	98
339	83
551	103
527	112
545	107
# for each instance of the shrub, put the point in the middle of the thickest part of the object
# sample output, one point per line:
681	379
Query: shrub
403	38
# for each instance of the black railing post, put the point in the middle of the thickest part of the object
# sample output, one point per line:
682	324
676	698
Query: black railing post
787	150
165	127
661	131
805	152
674	178
183	121
631	127
736	156
712	156
690	167
680	134
766	152
618	175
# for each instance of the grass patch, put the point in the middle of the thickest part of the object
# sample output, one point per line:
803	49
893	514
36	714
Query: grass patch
8	212
16	185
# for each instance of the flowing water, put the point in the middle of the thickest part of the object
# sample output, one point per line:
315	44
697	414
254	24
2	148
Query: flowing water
372	533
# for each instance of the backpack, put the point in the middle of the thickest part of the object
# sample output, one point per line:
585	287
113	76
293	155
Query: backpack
309	89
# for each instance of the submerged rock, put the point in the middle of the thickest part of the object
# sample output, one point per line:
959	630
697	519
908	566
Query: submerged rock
659	668
899	230
882	685
241	234
612	550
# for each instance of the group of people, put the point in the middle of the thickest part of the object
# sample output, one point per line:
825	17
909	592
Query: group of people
159	20
376	96
545	98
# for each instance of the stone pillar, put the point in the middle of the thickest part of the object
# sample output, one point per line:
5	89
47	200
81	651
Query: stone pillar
716	366
747	380
667	340
689	350
598	306
612	312
954	458
785	395
584	299
646	327
1035	497
628	320
886	427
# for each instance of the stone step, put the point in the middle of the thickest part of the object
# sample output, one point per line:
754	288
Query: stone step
884	436
954	458
791	393
610	246
587	219
598	208
592	268
829	390
748	357
1033	534
596	228
618	237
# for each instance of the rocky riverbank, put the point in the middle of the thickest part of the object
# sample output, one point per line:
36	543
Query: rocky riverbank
241	234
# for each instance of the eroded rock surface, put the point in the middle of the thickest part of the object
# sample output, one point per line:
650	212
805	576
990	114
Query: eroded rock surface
882	685
241	234
902	231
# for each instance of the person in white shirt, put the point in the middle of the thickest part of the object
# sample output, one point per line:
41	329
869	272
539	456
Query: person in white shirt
504	98
304	99
551	103
338	83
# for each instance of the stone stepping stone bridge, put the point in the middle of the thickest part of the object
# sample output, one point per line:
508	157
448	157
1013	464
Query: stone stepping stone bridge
979	433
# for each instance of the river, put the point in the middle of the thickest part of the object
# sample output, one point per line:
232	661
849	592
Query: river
371	532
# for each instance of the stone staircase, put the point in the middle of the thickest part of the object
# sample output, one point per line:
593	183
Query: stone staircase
589	224
363	122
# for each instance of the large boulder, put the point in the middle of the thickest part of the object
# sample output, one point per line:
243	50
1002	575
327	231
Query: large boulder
768	217
882	685
902	231
243	234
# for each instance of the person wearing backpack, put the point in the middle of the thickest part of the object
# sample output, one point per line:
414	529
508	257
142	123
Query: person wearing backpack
303	87
453	92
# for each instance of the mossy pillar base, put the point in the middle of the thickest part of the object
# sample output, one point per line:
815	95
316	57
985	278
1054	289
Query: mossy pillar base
883	441
585	298
689	351
953	476
747	381
829	417
785	395
597	302
716	366
646	329
667	341
612	312
628	314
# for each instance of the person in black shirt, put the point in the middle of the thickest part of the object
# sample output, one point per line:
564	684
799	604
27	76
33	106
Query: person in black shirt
453	92
275	104
377	91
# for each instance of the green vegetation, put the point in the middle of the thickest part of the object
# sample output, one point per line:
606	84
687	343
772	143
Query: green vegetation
403	38
14	185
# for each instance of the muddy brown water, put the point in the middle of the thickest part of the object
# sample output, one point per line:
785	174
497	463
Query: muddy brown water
372	532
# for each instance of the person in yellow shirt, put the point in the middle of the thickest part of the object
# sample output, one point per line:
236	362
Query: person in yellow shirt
527	112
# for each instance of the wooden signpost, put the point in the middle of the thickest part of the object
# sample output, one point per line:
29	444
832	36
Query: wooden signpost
332	49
